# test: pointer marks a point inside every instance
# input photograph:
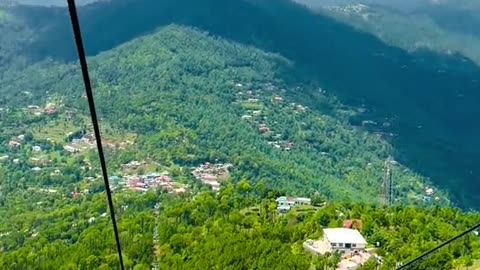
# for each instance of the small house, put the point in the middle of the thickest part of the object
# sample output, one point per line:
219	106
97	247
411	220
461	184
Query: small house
71	149
14	144
344	240
36	149
214	185
284	204
353	224
263	129
50	110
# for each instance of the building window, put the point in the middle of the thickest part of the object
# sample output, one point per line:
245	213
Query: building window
340	245
354	245
334	245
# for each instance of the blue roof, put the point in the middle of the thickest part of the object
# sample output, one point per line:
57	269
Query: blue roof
114	178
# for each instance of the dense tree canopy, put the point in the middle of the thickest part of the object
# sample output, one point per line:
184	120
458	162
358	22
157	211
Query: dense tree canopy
189	98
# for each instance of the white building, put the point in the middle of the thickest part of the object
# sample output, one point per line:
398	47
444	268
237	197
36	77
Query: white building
70	149
284	204
344	240
36	149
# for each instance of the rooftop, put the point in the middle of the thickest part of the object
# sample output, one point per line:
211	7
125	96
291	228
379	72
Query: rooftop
343	235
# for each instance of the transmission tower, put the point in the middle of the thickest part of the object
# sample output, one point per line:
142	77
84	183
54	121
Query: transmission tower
387	187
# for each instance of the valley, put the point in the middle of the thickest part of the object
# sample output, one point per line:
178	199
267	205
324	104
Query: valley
394	86
207	121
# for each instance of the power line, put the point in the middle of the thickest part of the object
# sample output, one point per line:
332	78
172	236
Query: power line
88	88
421	257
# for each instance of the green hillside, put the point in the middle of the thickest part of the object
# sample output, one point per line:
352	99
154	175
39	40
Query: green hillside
406	90
184	98
185	94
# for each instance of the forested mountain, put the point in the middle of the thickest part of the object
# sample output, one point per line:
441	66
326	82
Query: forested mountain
416	30
179	91
395	86
293	109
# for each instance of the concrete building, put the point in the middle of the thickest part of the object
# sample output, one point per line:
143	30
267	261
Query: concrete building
71	149
14	144
344	240
284	204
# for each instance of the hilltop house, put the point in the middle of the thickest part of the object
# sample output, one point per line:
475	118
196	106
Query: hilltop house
337	239
14	144
71	149
284	204
344	240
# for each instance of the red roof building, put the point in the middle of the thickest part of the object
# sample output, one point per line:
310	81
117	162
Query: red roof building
50	110
353	224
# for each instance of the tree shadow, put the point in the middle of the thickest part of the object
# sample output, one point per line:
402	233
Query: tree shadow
430	100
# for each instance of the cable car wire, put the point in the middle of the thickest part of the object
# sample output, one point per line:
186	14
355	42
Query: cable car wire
88	88
424	255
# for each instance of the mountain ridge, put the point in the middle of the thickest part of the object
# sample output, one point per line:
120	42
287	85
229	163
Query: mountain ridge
196	97
321	48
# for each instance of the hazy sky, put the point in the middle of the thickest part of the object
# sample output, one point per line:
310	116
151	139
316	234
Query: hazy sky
53	2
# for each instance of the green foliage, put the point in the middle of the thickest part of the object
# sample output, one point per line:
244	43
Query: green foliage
178	89
208	235
61	234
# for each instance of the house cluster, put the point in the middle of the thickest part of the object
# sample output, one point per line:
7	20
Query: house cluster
87	141
284	204
298	108
38	111
283	145
16	142
143	183
133	164
348	242
259	121
39	161
211	174
429	194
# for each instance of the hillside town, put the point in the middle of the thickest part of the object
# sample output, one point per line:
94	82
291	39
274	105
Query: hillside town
145	182
212	174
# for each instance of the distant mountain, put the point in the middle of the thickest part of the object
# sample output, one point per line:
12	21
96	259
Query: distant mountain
411	31
427	100
456	19
399	5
